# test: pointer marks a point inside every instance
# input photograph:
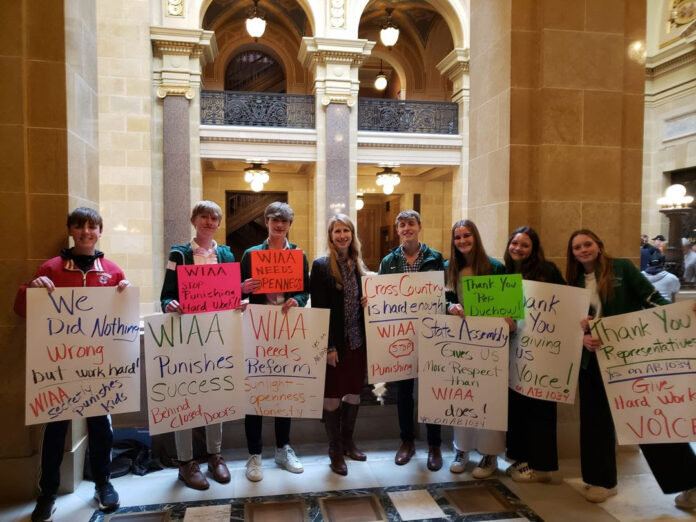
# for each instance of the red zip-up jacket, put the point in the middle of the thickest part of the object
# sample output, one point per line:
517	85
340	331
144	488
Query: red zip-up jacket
64	272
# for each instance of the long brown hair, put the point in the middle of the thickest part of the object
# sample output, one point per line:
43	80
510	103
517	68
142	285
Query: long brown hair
534	267
354	255
480	264
604	265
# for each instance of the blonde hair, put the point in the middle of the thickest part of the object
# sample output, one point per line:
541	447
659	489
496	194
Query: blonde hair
207	207
604	266
480	264
354	256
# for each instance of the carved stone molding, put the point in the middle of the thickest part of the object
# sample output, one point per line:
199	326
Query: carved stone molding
175	7
326	51
670	65
338	98
454	64
337	12
175	90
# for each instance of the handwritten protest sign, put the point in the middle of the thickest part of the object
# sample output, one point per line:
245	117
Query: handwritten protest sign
208	288
648	362
193	365
394	303
463	371
493	296
278	270
83	353
285	360
546	348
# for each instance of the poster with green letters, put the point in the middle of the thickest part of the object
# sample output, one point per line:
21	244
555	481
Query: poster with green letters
493	296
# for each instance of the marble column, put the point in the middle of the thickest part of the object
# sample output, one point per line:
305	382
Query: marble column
337	159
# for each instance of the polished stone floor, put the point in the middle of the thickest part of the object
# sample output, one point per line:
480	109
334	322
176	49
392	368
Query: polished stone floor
639	497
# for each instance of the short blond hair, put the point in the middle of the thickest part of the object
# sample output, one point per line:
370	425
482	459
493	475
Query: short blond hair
207	207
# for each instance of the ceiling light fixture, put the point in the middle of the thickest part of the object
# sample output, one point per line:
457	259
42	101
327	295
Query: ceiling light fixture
255	22
381	79
388	178
390	31
359	202
257	175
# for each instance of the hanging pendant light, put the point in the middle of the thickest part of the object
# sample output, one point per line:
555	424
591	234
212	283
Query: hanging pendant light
390	31
381	79
255	22
257	175
388	179
359	201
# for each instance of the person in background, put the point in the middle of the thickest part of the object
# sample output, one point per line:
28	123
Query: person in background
664	282
468	258
647	251
412	256
616	287
335	284
81	265
201	250
531	436
278	218
689	261
660	243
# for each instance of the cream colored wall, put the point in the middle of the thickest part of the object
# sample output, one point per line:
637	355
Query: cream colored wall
124	75
298	187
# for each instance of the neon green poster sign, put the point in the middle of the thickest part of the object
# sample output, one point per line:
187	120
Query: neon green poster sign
493	296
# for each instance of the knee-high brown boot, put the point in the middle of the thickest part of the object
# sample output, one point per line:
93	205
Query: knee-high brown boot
349	413
332	422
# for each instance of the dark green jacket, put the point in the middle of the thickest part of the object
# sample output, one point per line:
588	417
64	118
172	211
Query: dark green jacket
497	268
245	267
183	255
393	262
632	292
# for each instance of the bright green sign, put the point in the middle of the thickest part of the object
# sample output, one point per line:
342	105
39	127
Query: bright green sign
493	296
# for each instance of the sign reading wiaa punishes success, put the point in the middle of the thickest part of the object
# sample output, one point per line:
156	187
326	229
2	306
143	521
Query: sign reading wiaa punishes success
394	304
194	370
546	348
83	353
463	371
648	363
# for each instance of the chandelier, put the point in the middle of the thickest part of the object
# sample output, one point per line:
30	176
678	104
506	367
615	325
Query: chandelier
257	175
388	178
255	22
390	31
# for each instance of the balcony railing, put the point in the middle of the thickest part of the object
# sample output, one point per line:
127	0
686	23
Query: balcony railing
377	114
257	109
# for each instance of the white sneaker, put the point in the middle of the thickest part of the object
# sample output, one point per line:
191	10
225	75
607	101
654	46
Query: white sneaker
527	474
686	499
254	471
285	457
512	468
485	468
459	461
599	494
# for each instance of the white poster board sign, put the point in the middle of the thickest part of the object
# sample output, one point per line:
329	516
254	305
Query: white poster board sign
546	348
194	370
285	360
648	362
463	371
83	353
394	304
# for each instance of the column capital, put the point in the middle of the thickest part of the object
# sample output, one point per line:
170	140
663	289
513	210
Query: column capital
456	67
179	57
334	63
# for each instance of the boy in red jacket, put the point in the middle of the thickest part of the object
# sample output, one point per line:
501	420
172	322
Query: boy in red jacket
81	265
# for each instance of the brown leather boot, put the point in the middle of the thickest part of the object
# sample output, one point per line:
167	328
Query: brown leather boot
218	469
332	422
349	413
190	473
405	452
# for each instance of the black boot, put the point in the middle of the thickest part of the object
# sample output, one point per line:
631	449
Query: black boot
332	422
349	413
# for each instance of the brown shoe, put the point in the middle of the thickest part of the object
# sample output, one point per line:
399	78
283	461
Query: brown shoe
218	469
434	458
190	473
405	452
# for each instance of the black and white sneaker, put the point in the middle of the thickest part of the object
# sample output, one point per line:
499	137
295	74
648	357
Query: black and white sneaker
45	506
106	497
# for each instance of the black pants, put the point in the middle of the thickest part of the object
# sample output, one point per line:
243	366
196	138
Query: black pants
100	439
405	409
673	464
252	427
531	435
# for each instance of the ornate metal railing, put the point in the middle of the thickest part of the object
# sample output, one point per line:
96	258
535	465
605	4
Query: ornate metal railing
257	109
377	114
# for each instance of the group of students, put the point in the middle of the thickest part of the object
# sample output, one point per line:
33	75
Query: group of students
616	287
